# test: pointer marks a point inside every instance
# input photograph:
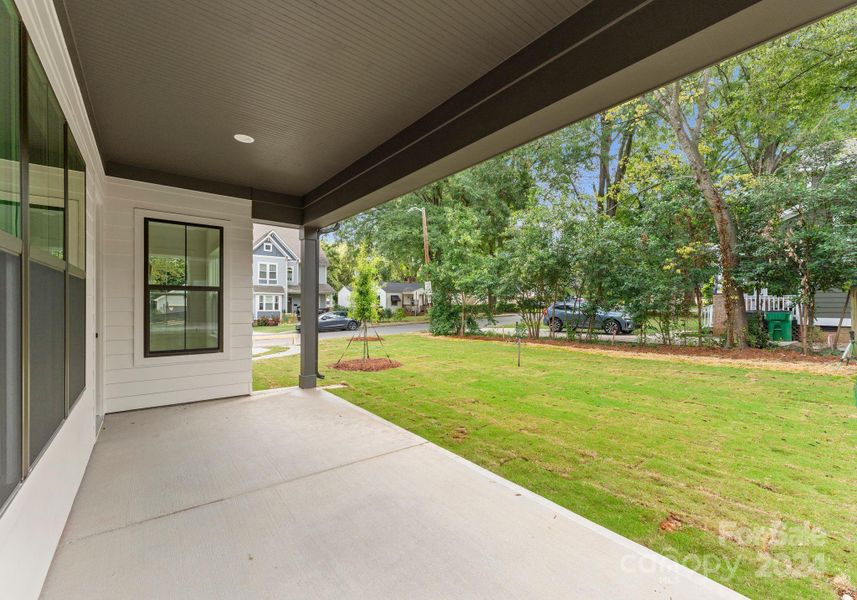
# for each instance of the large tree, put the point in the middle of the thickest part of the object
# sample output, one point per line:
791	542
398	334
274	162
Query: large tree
684	106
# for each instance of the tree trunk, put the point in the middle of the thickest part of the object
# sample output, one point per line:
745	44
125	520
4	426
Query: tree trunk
727	232
853	294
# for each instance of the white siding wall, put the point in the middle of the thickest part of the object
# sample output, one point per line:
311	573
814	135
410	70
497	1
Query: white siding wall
343	298
132	381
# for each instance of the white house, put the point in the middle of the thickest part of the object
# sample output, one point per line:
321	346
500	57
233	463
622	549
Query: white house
393	295
276	272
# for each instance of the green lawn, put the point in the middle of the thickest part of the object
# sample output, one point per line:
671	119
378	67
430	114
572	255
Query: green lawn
407	319
758	466
272	350
282	327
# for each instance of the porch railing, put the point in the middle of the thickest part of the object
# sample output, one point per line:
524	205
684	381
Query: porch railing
768	303
764	304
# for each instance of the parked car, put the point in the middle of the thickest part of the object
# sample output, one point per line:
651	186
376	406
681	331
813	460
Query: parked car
574	313
334	322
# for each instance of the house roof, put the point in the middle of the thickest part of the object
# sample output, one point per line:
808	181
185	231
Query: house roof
290	236
268	289
400	287
323	288
395	287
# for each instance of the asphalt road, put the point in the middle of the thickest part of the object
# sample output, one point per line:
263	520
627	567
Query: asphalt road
266	340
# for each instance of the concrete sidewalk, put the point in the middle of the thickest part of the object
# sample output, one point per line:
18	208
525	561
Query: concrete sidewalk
299	494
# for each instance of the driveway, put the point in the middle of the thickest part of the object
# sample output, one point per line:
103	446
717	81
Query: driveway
300	494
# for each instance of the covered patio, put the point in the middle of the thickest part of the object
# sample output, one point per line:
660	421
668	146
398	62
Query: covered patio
155	134
299	494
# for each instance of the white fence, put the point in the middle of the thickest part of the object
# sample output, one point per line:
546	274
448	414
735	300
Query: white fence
769	303
764	304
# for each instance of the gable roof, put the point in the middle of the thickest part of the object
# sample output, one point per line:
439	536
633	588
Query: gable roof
272	238
400	287
395	287
289	237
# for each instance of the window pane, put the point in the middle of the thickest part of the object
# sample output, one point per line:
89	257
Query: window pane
203	256
76	337
167	320
76	205
203	324
10	373
47	354
47	152
166	253
10	173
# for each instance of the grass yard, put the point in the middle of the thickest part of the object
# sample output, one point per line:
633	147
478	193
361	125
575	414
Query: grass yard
282	327
744	474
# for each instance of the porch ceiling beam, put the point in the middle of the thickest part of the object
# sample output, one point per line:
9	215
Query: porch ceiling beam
267	206
568	74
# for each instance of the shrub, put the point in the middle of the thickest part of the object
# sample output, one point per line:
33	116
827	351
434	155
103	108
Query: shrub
386	314
757	332
445	318
266	321
399	314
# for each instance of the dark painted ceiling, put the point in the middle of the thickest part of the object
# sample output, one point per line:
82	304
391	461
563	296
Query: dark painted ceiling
355	102
317	84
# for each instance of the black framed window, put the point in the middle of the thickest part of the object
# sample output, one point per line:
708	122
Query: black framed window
183	288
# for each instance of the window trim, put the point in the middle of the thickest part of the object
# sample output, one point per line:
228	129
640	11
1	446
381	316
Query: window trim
275	303
267	247
147	287
267	280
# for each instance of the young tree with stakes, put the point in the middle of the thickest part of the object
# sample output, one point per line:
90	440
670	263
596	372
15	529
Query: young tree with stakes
364	298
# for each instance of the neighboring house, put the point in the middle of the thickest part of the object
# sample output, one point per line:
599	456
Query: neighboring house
277	274
393	295
828	308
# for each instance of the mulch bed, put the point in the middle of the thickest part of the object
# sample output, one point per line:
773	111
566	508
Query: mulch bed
366	364
780	355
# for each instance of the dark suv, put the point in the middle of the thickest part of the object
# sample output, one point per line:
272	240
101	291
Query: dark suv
574	313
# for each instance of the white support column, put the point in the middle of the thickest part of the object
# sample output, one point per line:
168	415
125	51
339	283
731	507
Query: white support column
309	307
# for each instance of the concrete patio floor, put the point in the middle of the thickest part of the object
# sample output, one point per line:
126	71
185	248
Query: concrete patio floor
299	494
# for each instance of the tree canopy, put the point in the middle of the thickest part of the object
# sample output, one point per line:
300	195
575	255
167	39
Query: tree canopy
704	185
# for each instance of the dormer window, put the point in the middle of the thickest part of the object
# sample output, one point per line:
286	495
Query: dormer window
268	247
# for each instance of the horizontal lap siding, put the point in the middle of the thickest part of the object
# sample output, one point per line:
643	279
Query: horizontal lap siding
829	304
128	385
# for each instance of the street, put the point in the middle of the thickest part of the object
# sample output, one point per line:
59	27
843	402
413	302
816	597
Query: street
269	340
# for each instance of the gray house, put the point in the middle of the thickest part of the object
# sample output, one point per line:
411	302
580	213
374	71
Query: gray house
276	272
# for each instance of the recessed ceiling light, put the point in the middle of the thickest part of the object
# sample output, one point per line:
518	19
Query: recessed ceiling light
243	138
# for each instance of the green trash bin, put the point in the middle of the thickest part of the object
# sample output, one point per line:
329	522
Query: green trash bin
779	325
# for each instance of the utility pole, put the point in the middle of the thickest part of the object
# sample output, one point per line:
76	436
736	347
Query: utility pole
425	233
425	236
